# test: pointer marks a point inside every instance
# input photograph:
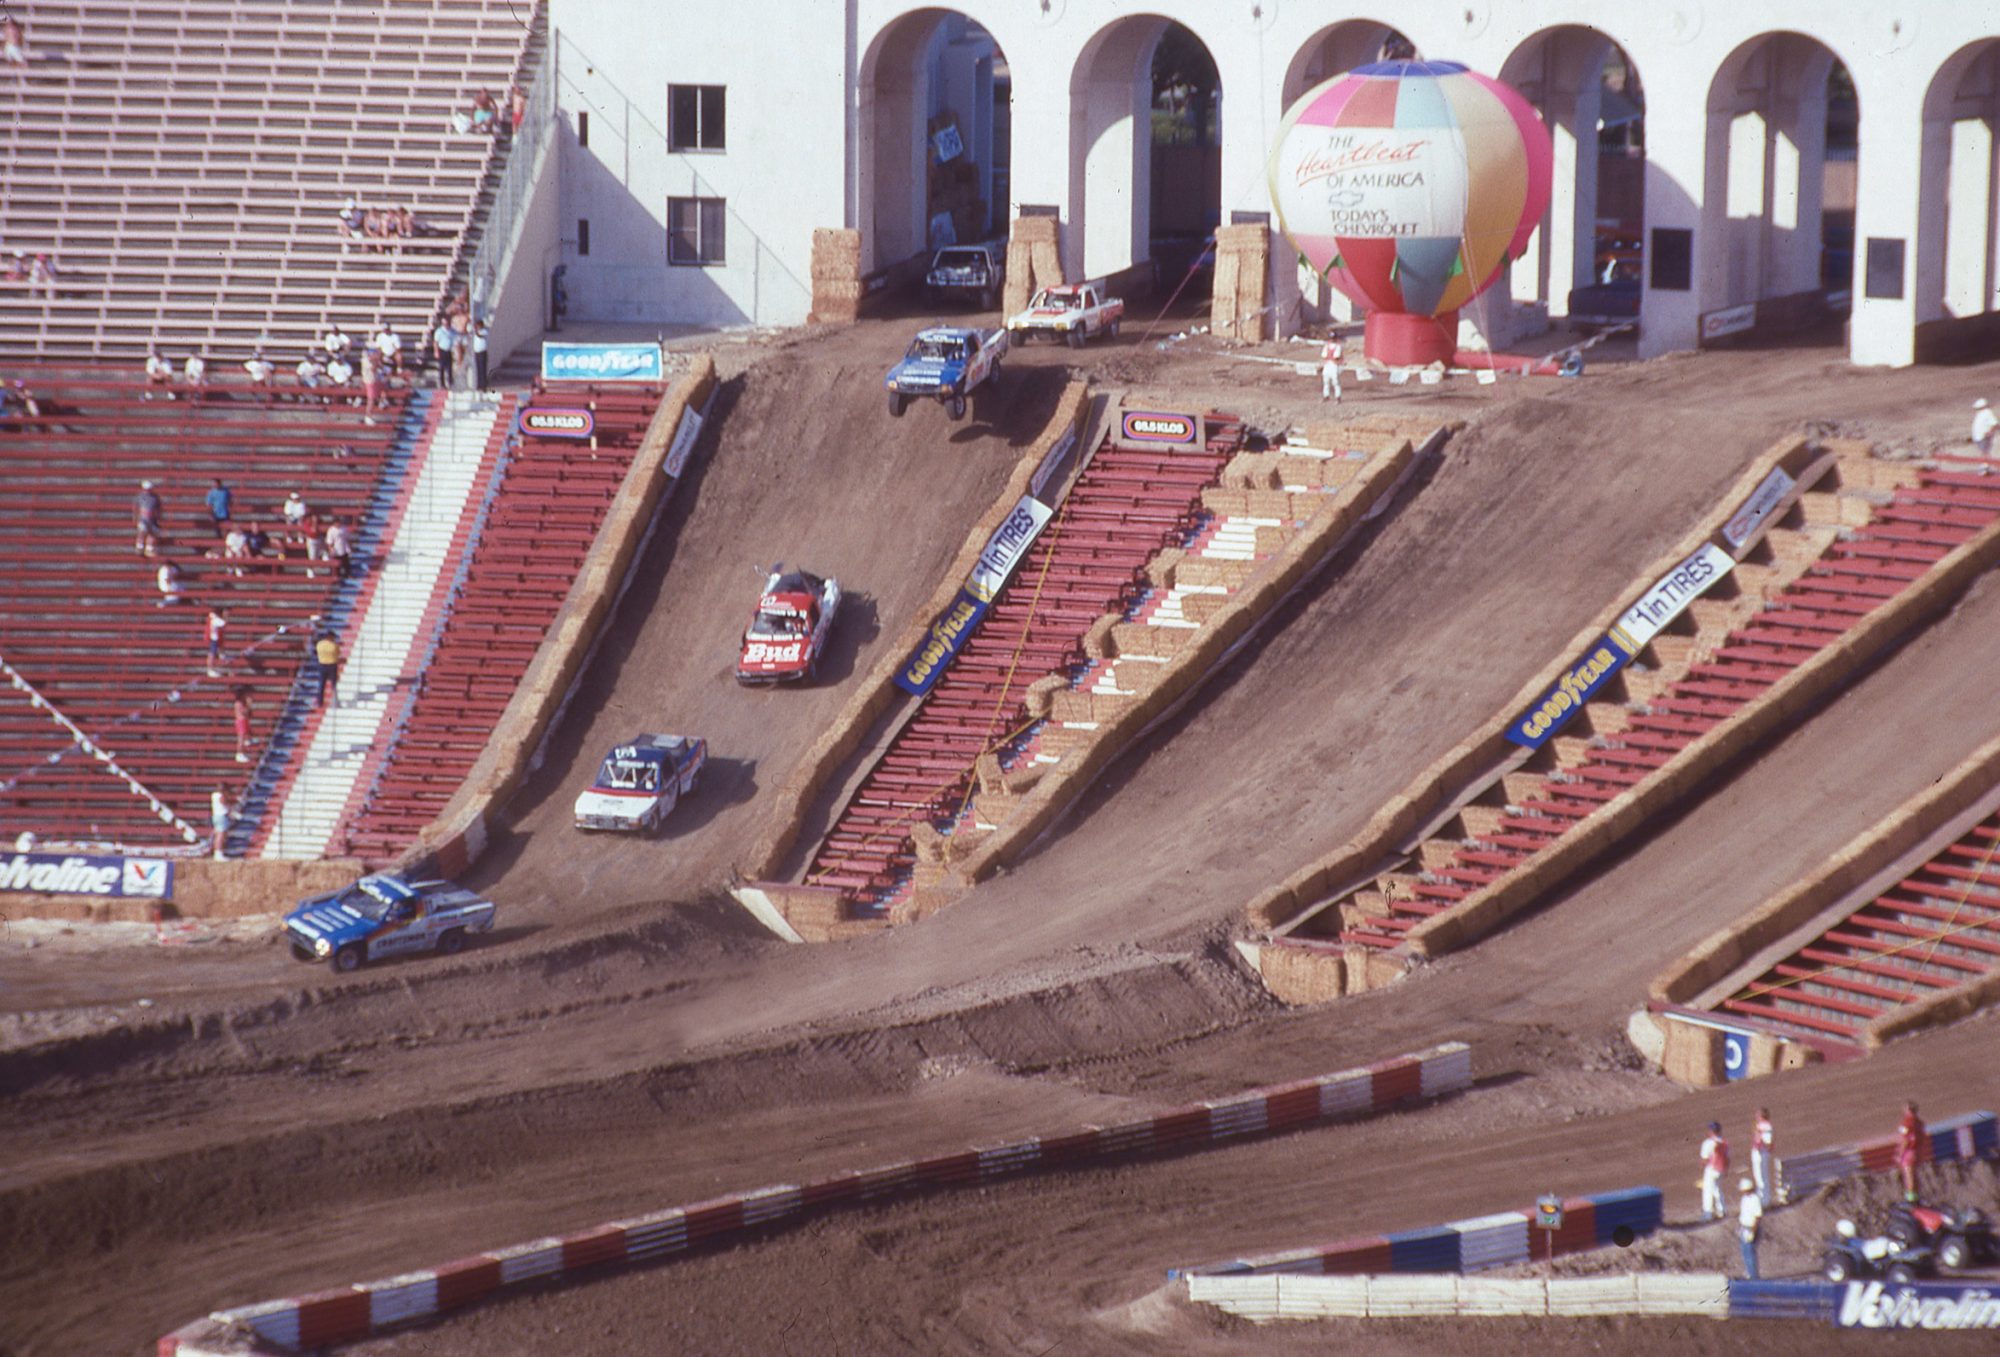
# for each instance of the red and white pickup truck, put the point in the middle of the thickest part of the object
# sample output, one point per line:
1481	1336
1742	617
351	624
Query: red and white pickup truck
1072	311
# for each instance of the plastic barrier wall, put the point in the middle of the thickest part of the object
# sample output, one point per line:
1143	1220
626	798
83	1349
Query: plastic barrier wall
354	1312
1953	1140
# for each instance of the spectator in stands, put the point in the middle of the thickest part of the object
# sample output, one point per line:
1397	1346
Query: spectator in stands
517	107
240	702
24	400
146	520
389	345
326	659
352	218
311	374
256	542
339	550
371	385
442	340
294	513
42	276
217	625
168	578
485	113
342	451
14	41
335	341
236	547
159	375
479	355
15	270
219	501
261	370
194	374
339	376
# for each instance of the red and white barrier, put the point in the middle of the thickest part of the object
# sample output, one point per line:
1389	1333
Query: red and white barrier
354	1312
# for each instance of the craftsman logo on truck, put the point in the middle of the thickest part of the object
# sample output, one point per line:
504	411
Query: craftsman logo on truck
1145	426
553	423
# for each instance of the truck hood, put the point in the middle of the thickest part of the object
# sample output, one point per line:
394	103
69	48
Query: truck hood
337	924
616	805
773	657
918	375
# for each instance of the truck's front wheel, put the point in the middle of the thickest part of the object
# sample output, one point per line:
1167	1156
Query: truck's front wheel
1076	337
898	403
348	959
954	405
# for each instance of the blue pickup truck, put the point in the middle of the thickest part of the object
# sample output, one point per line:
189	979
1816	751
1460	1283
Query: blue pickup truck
945	364
385	915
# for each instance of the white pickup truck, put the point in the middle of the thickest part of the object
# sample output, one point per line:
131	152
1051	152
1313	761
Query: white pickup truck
1072	311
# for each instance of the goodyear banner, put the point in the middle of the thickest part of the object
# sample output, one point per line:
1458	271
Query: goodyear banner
602	363
1922	1305
1565	698
941	645
87	874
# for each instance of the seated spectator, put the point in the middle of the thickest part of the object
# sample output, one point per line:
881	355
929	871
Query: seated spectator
168	578
294	513
146	520
389	345
15	268
261	370
42	275
485	113
256	542
335	341
351	218
24	400
14	42
236	547
311	374
342	451
195	372
339	373
159	375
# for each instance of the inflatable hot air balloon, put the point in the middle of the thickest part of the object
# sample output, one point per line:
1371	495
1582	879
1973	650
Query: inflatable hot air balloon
1409	185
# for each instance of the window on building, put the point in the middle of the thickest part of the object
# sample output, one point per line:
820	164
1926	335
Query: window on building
583	235
694	231
583	127
694	117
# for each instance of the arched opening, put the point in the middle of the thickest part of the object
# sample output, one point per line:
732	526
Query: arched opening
933	157
1146	152
1958	263
1585	256
1783	144
1333	51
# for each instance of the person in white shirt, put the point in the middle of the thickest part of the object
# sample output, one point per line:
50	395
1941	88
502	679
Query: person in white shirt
389	344
335	342
338	549
195	370
1984	423
159	375
339	372
311	372
1714	1154
1330	356
261	370
1749	1220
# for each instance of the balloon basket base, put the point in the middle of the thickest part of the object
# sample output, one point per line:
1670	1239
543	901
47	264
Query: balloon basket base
1397	340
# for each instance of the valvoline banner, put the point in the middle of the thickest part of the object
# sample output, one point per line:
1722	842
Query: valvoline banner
87	874
1929	1306
602	363
941	645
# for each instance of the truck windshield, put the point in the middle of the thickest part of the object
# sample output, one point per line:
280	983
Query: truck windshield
1060	301
773	625
632	775
938	350
371	900
961	259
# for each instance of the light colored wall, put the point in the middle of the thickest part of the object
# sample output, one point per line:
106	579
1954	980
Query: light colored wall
804	156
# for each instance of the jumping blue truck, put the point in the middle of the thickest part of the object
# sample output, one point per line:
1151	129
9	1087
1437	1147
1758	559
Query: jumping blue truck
945	364
385	915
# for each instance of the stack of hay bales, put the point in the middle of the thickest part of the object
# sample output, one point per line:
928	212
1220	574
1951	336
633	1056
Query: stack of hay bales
1242	263
836	276
1034	260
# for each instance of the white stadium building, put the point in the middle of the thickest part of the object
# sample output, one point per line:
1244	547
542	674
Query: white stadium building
1772	158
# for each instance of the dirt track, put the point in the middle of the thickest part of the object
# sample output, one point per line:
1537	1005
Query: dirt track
261	1129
